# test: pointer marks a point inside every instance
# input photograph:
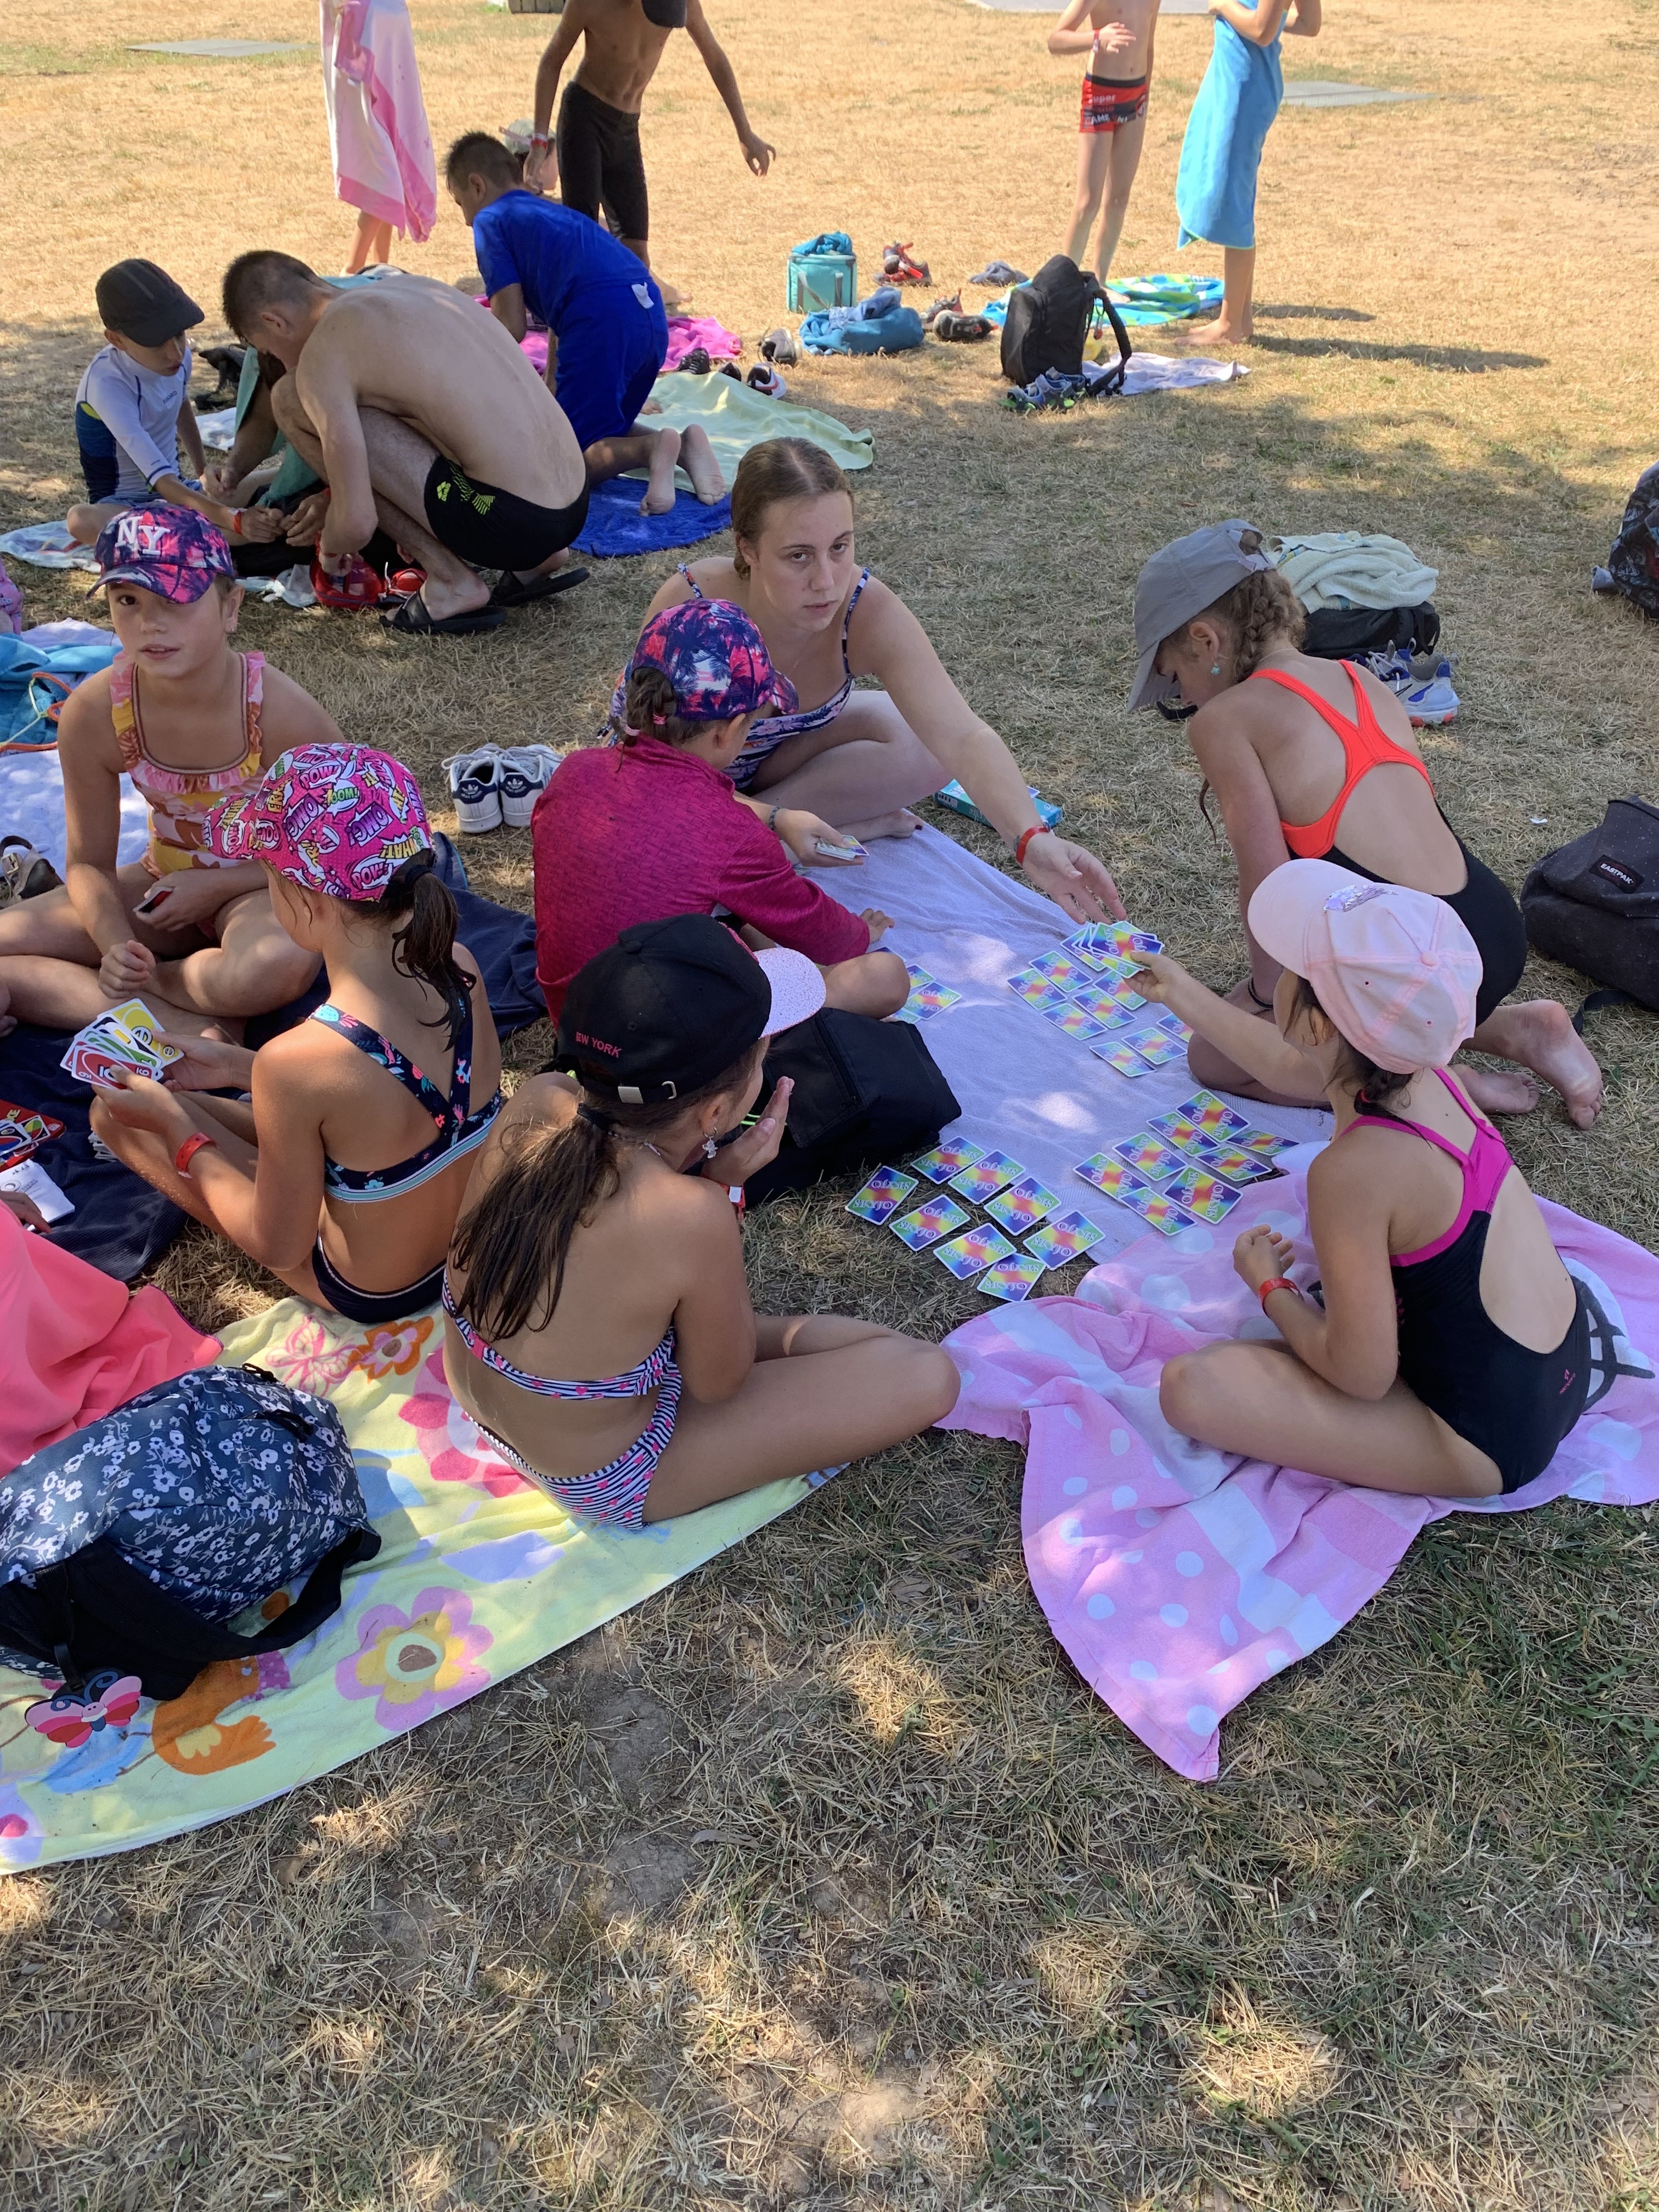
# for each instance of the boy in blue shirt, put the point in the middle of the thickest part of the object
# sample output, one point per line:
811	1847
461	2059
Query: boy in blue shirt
132	409
607	329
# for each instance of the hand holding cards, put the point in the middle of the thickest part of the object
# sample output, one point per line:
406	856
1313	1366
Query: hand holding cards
125	1041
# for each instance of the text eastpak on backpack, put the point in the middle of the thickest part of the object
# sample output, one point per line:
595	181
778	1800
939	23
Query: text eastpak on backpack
1593	904
128	1544
1048	322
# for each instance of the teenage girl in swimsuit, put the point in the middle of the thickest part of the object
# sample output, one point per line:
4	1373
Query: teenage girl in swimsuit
1451	1352
589	1251
1117	36
193	722
345	1173
1316	759
860	758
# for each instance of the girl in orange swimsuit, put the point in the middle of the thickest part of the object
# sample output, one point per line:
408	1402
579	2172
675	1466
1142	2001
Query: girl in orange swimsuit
1315	760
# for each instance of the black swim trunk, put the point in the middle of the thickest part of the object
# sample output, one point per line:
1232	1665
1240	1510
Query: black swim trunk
600	164
489	528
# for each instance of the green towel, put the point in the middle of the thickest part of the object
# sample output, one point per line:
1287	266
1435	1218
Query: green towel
736	417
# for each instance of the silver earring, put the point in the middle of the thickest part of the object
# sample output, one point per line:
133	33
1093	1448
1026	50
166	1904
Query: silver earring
1215	668
710	1147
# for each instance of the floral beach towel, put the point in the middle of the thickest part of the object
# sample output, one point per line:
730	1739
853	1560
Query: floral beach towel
479	1575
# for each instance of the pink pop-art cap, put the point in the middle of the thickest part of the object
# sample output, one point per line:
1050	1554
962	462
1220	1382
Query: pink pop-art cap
1395	969
340	819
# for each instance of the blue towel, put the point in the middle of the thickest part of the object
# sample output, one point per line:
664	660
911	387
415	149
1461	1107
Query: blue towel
615	526
844	330
24	703
1215	186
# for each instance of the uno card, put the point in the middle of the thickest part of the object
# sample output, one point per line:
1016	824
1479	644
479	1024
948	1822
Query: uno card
1106	1172
1262	1143
974	1251
1172	1026
882	1196
1151	1157
938	1217
93	1060
1180	1129
1037	990
1156	1208
1022	1205
1213	1115
1202	1194
23	1130
927	995
1156	1047
948	1158
1061	970
1064	1239
1071	1021
1123	1059
1102	1007
142	1026
1012	1279
1238	1166
987	1173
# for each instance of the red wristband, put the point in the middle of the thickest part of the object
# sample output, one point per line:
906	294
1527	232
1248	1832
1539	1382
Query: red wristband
1276	1283
187	1152
1036	830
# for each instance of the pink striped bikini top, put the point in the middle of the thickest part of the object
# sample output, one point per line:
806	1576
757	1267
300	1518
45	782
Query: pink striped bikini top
180	798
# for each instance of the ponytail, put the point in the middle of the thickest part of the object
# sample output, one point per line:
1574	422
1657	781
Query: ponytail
650	709
513	1246
424	948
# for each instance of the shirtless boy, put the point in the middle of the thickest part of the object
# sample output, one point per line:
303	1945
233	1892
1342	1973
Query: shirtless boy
596	162
419	412
1117	36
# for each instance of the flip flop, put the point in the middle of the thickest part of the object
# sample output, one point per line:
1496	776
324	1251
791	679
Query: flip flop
514	592
416	619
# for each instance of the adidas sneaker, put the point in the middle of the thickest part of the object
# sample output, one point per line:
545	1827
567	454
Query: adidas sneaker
522	775
475	785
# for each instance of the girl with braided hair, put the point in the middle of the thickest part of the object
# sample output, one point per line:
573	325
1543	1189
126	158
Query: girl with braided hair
1316	759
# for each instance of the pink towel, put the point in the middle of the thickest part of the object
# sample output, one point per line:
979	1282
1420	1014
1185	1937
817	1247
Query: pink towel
377	126
75	1345
687	332
1178	1580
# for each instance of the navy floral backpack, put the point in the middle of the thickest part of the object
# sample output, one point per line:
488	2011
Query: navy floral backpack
131	1543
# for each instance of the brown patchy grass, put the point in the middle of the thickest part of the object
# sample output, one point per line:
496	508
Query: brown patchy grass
821	1878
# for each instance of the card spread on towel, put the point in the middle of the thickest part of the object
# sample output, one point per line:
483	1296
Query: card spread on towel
882	1196
973	1251
929	1223
947	1159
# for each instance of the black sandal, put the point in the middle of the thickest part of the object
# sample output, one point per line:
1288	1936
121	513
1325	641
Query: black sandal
525	591
416	619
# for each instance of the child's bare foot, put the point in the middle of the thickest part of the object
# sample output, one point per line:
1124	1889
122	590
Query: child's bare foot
697	459
1220	332
1499	1091
659	492
901	823
1539	1035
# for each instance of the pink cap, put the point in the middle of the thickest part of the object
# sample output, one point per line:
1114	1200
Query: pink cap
341	819
1395	969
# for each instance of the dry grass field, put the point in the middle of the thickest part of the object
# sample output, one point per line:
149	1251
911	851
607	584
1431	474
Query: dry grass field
822	1880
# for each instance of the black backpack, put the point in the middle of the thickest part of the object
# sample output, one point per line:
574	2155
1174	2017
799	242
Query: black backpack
1347	633
1594	905
865	1091
1049	320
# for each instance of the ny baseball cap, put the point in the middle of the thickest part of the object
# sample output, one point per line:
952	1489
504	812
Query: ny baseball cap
715	659
671	1005
1180	581
170	551
1395	969
143	303
339	820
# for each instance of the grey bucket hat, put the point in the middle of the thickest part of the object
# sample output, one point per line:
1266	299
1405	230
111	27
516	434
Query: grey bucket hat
1180	581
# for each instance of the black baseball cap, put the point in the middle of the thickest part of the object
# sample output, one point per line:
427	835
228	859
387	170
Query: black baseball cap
667	15
671	1005
143	303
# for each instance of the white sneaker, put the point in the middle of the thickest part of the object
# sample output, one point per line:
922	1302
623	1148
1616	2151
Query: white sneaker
523	774
1433	704
475	785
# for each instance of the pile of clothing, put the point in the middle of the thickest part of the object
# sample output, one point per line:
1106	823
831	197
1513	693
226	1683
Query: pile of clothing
1369	598
880	323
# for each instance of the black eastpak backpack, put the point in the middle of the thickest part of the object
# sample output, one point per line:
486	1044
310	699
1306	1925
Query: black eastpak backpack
1048	321
1594	905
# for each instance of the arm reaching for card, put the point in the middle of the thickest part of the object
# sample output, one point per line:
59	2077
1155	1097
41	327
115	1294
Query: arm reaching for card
1248	1040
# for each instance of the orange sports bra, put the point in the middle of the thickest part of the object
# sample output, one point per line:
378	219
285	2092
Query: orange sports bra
1365	745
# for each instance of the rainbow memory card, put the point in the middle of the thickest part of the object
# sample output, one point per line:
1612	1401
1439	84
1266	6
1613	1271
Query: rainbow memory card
948	1157
1071	1021
1212	1115
940	1217
1022	1205
1203	1195
1064	1239
1151	1157
986	1175
974	1251
882	1196
1157	1209
1012	1279
1158	1047
927	995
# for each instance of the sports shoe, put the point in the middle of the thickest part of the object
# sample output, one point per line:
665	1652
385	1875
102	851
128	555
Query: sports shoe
1432	704
763	377
957	330
950	305
522	775
475	785
900	267
778	346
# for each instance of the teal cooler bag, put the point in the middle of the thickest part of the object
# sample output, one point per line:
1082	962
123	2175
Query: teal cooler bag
824	272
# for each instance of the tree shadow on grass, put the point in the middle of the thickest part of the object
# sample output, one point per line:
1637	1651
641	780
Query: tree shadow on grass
1313	314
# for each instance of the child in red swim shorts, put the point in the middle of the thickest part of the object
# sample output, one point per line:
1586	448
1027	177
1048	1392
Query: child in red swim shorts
1117	37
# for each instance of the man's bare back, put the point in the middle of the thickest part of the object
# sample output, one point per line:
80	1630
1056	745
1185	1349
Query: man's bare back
423	352
622	50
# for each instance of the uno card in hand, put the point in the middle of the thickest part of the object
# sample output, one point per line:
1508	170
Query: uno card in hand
1012	1279
1157	1209
948	1157
1202	1194
1061	970
105	1056
986	1174
142	1026
1036	989
1213	1115
938	1217
1062	1239
1238	1165
1156	1047
974	1251
1071	1021
1122	1059
1262	1143
1022	1205
882	1196
1151	1157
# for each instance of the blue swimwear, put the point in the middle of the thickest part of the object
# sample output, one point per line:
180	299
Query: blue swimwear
1221	153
